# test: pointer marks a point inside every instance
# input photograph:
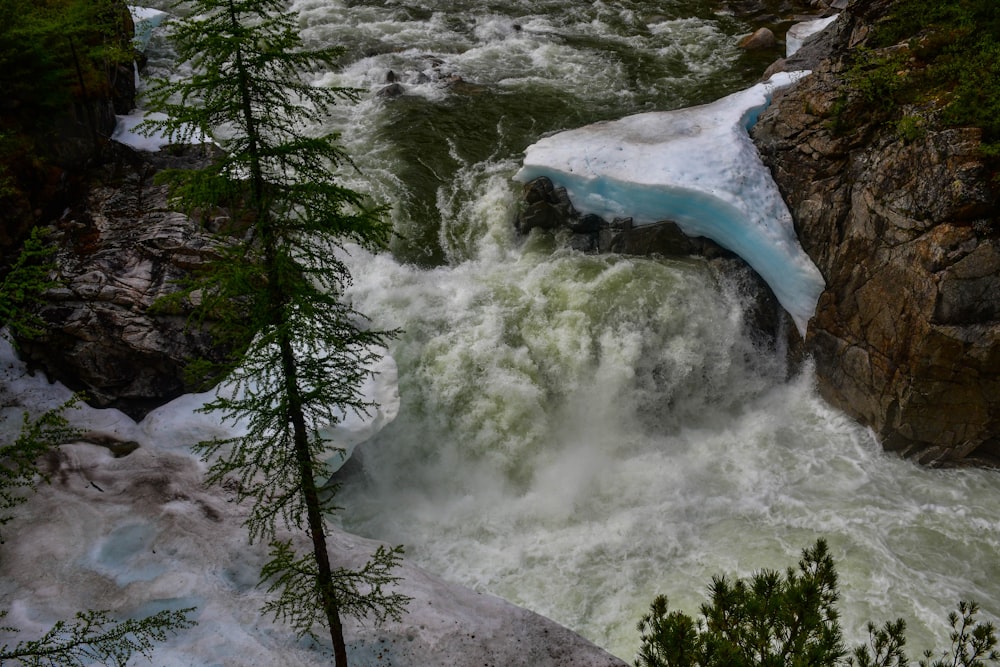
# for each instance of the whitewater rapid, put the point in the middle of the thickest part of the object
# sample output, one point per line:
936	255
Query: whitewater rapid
578	434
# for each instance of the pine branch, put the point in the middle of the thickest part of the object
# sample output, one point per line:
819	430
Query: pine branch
18	469
95	637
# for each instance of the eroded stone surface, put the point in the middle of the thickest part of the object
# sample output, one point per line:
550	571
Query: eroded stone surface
906	336
120	252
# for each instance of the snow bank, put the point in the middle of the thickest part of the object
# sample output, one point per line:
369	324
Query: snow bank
697	167
800	32
146	20
179	423
140	533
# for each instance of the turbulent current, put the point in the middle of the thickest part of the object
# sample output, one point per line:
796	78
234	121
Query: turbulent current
579	433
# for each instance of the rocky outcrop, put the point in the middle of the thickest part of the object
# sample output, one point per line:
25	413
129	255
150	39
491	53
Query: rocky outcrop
121	251
906	337
549	208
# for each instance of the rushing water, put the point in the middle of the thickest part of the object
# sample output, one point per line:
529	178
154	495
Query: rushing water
580	433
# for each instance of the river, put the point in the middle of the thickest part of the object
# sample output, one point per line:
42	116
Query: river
580	433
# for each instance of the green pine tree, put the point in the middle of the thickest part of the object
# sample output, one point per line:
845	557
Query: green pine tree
302	353
770	620
24	282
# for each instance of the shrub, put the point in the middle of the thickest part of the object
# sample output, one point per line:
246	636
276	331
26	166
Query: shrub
774	620
952	58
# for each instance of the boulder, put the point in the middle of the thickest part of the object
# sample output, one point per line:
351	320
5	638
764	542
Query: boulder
546	207
393	90
120	252
906	336
762	38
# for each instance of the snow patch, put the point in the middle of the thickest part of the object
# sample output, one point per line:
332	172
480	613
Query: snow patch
146	20
697	167
800	32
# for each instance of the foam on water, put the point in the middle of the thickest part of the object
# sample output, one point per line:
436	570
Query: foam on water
569	47
578	434
531	389
577	451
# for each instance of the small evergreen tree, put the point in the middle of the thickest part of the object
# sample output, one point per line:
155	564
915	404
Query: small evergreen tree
302	353
18	460
972	643
23	283
765	620
792	621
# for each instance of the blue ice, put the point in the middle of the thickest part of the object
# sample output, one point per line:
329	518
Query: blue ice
697	167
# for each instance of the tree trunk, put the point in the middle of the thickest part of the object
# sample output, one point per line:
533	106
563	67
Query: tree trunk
277	302
310	494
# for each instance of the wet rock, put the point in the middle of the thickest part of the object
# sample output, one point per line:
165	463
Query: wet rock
588	224
547	207
906	337
762	38
120	252
391	91
663	238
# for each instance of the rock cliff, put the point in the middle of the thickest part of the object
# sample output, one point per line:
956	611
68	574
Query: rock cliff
906	231
120	250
